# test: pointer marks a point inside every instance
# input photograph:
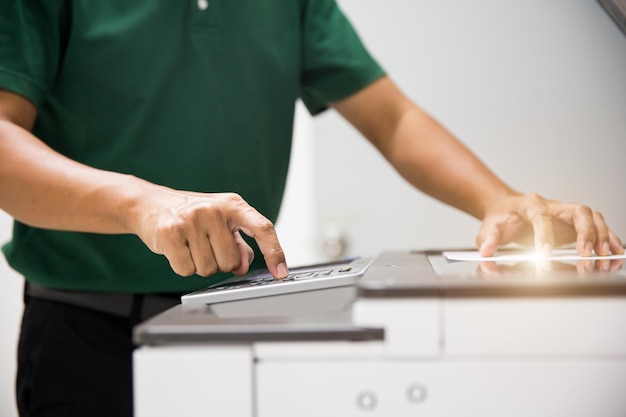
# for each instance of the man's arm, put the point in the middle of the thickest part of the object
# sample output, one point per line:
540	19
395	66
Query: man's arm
435	162
198	233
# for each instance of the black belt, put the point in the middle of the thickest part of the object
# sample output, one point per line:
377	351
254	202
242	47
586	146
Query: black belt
141	306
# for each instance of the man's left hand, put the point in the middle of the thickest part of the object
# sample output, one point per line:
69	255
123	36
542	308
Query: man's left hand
530	219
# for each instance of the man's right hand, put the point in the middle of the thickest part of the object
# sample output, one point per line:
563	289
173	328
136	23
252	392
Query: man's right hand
200	233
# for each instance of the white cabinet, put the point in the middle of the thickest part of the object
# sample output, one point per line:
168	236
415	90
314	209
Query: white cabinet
193	380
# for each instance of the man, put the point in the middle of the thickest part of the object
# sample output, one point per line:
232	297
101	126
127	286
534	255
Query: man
144	141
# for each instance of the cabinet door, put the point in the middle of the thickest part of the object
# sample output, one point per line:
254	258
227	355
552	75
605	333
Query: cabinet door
193	380
494	388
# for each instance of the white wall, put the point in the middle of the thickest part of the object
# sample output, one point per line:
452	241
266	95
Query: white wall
296	221
536	88
10	316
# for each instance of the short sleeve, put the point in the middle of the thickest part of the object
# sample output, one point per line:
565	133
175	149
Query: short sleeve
31	39
335	62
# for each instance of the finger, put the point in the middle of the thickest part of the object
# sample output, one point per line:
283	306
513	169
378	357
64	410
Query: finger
585	265
616	265
615	243
175	248
488	239
225	248
246	253
602	265
251	222
202	255
488	267
540	216
586	232
200	248
602	245
210	241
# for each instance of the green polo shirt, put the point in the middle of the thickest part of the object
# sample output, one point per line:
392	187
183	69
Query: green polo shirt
194	95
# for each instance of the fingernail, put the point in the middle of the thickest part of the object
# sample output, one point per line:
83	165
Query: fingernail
606	249
588	249
282	270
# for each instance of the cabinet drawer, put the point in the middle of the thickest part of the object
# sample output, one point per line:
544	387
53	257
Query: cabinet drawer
397	388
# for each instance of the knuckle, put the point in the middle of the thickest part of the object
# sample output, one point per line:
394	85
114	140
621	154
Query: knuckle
213	214
274	252
235	202
541	211
230	265
187	272
583	211
235	199
209	270
264	225
184	270
537	207
536	199
171	230
206	267
599	216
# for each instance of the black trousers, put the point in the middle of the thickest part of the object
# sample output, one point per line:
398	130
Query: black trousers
74	361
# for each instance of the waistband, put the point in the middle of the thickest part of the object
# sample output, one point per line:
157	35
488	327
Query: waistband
141	306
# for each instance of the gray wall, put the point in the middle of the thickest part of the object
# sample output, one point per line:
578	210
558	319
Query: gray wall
536	88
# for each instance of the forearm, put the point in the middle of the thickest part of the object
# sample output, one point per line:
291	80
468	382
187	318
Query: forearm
421	150
430	158
42	188
434	161
198	233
